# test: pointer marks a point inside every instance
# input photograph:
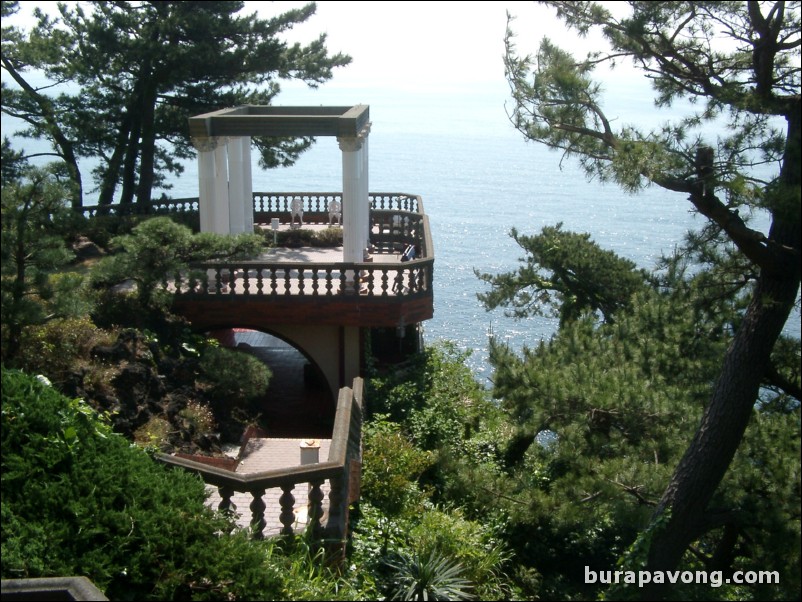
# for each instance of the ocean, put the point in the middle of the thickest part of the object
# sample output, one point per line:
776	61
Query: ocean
478	178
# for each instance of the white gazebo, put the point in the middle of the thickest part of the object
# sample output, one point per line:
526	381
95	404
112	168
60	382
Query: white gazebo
223	141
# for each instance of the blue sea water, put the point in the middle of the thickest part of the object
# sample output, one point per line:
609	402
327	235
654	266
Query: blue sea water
478	178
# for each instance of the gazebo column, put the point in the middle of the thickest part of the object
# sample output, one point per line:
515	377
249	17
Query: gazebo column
236	187
206	181
225	200
364	176
354	199
247	183
221	223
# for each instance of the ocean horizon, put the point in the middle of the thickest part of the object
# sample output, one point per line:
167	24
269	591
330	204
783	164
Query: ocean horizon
478	178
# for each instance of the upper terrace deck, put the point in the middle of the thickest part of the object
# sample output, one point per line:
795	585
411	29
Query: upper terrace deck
308	285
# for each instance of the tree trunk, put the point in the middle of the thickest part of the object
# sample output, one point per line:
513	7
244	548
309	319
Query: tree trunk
684	503
723	423
129	166
112	174
148	145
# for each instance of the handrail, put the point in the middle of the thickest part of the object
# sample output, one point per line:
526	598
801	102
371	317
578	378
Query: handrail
406	280
345	448
263	202
51	588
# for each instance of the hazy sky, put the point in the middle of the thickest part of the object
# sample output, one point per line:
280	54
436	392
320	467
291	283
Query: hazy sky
396	44
412	44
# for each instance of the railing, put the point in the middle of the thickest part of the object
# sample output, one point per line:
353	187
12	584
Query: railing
318	202
396	220
410	280
341	467
51	588
263	202
162	206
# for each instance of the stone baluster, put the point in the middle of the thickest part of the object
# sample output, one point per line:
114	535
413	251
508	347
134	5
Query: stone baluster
226	506
258	514
336	523
287	516
315	507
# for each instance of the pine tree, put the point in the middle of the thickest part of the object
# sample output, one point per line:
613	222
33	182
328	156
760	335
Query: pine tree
738	61
129	74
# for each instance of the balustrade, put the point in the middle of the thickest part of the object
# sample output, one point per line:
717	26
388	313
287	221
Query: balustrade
344	455
263	202
255	278
396	221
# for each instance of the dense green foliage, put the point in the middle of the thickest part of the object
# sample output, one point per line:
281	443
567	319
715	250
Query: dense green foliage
738	63
33	230
131	73
235	376
158	248
80	500
412	529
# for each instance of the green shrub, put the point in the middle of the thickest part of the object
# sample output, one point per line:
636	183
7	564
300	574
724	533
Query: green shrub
304	237
330	237
234	375
57	347
80	500
391	468
480	553
432	576
293	238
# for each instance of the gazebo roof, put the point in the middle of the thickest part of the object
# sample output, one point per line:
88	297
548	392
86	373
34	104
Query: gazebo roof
257	120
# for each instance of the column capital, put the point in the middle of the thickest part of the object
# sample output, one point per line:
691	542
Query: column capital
205	144
354	143
350	144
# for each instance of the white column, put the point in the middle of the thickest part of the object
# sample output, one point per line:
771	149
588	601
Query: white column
247	183
221	224
364	176
236	207
354	240
206	181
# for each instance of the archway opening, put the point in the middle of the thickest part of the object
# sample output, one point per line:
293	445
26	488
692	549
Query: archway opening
298	402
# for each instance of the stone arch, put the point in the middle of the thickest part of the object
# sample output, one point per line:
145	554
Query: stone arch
318	345
299	400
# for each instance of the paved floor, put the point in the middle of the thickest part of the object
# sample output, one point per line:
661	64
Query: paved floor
267	454
294	410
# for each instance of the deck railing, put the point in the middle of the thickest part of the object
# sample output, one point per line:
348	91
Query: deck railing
341	470
263	202
396	220
409	280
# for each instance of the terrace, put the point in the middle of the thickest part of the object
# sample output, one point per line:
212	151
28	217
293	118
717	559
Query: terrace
325	302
